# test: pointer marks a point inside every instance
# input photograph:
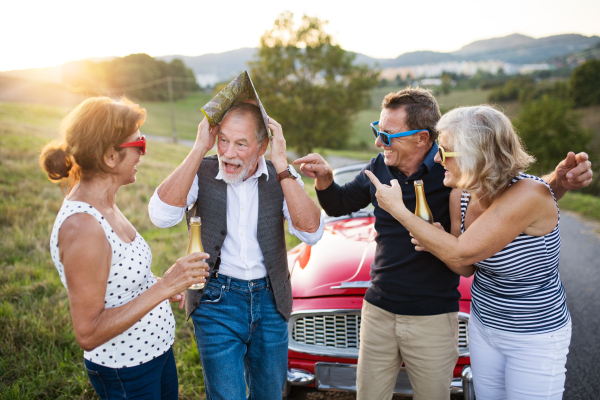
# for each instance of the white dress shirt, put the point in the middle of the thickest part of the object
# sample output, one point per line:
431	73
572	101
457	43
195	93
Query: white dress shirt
241	256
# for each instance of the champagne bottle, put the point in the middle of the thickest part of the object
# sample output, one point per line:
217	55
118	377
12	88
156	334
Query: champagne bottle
195	244
422	209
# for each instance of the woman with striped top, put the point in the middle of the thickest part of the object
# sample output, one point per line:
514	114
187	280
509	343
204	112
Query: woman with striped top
505	230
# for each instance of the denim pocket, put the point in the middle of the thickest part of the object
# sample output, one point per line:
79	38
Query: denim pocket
212	294
97	383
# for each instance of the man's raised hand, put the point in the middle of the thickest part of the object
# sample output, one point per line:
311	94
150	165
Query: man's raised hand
278	150
314	166
205	138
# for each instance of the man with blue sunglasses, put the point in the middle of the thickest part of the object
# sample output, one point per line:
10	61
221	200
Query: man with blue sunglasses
410	312
386	137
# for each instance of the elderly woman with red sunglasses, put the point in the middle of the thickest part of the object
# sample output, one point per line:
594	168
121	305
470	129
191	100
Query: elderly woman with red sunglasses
120	311
505	231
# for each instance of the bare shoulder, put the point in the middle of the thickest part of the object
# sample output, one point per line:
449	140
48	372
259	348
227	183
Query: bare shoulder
529	200
82	229
80	224
528	190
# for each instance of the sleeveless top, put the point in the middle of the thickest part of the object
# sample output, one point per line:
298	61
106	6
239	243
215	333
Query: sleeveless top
519	289
130	276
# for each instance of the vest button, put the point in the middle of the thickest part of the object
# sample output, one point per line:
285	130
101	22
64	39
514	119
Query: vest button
223	232
217	247
210	263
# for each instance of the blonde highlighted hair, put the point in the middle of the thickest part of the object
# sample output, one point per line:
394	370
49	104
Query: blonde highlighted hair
95	126
491	151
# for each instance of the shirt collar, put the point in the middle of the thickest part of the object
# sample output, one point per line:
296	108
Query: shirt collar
429	160
262	169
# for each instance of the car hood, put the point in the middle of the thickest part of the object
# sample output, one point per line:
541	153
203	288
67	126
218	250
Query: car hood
339	264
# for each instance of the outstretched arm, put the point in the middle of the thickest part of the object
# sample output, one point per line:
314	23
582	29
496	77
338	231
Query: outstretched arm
487	235
304	213
574	172
334	199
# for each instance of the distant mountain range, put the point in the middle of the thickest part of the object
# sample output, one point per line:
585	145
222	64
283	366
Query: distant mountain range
515	49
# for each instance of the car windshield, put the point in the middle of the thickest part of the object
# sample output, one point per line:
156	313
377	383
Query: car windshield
341	178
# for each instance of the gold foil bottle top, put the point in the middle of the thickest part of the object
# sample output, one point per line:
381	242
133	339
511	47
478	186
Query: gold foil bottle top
419	182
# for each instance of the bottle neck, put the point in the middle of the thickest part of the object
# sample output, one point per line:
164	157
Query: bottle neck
419	191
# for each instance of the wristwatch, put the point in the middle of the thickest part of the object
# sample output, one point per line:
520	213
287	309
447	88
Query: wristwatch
289	172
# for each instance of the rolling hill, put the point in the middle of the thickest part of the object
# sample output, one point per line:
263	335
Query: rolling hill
515	48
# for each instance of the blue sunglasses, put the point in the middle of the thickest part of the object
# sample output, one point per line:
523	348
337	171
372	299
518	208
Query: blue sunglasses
386	137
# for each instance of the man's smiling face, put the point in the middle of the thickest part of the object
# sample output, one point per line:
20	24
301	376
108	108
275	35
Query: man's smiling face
237	148
401	151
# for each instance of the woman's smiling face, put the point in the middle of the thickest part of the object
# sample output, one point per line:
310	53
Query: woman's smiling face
452	175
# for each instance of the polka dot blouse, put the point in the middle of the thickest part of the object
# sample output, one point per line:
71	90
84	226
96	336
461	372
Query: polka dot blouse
130	276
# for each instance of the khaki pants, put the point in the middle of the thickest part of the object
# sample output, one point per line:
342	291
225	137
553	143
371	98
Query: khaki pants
428	346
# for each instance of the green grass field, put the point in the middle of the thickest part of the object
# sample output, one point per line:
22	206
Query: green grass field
187	116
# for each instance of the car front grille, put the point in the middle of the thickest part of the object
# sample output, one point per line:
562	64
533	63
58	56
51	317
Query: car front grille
463	336
338	333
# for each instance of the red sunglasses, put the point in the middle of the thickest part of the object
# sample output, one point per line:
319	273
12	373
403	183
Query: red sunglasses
138	143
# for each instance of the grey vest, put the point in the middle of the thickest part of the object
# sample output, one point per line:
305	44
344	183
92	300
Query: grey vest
211	207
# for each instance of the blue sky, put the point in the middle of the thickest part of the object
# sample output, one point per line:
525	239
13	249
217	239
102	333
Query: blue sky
46	33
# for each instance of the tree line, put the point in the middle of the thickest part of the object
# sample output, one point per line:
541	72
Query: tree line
138	73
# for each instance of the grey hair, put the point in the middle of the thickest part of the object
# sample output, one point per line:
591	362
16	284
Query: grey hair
252	111
491	151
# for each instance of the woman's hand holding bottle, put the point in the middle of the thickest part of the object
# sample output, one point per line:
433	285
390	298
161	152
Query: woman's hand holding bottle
188	270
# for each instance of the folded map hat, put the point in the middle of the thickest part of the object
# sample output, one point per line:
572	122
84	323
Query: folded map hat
239	90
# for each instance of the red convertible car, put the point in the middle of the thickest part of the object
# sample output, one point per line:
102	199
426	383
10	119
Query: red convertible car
329	281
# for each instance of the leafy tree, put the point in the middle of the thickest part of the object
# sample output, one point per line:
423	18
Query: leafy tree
511	90
552	89
309	84
585	84
549	127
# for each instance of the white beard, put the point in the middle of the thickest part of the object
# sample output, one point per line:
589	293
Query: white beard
233	179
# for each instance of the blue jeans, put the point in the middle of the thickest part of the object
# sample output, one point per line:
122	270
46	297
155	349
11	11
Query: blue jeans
242	340
154	380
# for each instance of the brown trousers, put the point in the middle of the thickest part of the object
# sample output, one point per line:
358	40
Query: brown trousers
428	346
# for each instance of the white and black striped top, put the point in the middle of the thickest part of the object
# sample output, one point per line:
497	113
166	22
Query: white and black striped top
519	289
